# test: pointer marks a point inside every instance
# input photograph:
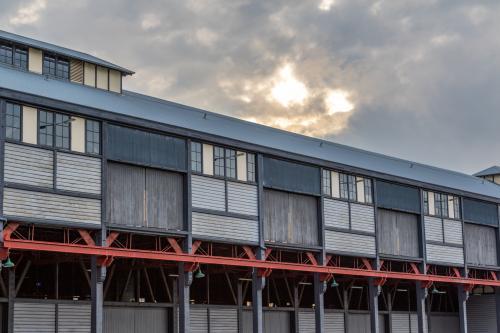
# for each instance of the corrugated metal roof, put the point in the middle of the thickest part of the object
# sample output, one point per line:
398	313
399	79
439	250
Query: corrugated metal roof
494	170
157	110
61	50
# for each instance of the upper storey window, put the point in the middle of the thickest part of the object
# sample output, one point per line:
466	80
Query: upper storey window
13	122
56	67
92	137
348	187
442	205
54	129
223	162
14	55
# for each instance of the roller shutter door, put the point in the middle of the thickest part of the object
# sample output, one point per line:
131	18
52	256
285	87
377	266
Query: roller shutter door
223	320
307	322
73	318
34	318
334	322
276	322
444	323
359	323
135	319
199	320
481	314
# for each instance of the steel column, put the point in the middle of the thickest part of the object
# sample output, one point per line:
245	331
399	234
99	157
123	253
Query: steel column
421	295
463	295
184	282
373	292
497	303
11	295
319	303
98	275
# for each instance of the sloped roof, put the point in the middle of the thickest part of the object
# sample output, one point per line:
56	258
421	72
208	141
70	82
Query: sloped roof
161	111
493	170
61	50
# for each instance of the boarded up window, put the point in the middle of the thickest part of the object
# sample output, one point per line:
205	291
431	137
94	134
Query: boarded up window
398	233
76	71
142	197
480	212
290	218
290	176
399	197
135	146
481	244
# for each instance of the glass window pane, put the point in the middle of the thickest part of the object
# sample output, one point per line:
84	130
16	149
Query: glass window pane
219	161
6	54
196	160
45	128
92	136
13	122
230	163
251	167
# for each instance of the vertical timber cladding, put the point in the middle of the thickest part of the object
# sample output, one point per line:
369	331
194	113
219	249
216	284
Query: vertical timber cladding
482	314
290	202
144	197
360	323
480	231
398	222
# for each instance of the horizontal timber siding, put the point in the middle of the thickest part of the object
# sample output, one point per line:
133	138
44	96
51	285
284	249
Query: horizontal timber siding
225	227
51	207
208	193
349	243
445	254
242	198
481	314
198	320
34	318
73	318
78	173
453	232
223	320
336	213
334	322
28	165
362	218
433	229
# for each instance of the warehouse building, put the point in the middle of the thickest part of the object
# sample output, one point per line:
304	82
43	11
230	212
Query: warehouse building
127	213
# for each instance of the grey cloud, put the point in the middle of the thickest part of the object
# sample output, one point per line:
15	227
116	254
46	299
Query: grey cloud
423	75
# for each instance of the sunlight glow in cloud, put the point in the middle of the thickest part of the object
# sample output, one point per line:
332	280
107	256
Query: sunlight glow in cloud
29	14
337	101
326	5
287	90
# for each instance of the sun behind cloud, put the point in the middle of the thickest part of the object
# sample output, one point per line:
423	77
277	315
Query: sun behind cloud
337	101
287	90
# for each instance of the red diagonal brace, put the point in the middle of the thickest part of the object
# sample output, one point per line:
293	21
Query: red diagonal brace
264	272
414	268
173	243
86	237
493	275
196	245
379	282
191	266
456	272
9	230
105	261
312	258
427	284
367	263
325	277
113	235
267	253
249	252
468	287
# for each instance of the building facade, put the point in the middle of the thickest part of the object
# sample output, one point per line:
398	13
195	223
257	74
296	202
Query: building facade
126	213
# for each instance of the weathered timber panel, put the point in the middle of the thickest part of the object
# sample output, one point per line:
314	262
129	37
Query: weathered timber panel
344	242
481	314
135	319
307	322
444	323
362	218
290	218
334	322
359	323
290	176
396	196
444	254
51	207
125	195
28	165
144	197
453	232
135	146
164	198
242	198
223	320
225	227
276	322
73	318
336	213
398	233
480	245
208	193
34	317
433	229
78	173
480	212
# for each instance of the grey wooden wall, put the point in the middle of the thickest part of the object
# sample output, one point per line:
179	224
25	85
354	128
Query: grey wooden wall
125	319
290	218
42	201
481	314
144	197
398	233
481	245
444	240
334	322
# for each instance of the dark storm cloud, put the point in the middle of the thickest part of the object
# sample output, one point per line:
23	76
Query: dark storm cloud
423	76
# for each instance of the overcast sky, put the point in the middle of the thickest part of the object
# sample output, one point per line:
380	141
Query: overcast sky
417	79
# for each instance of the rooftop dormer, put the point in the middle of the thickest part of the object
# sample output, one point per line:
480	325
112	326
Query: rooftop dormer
61	63
492	174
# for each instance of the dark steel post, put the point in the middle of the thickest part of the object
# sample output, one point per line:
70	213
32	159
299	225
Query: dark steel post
463	295
373	292
421	312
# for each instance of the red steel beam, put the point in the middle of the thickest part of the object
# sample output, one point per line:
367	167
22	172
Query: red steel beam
195	259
